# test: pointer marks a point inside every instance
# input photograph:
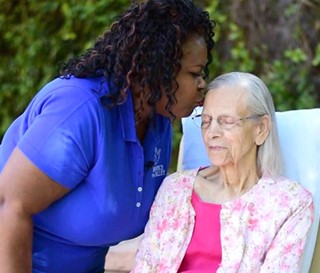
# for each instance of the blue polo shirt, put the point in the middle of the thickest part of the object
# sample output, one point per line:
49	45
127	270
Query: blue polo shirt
93	150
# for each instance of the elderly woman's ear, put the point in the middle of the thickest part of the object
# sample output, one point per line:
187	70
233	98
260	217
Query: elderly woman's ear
262	130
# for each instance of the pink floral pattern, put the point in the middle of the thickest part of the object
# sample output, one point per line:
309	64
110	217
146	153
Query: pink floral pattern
264	230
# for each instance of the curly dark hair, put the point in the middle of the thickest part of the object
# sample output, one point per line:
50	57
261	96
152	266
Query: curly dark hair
144	46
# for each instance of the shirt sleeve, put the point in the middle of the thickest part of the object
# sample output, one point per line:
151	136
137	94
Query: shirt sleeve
62	134
286	251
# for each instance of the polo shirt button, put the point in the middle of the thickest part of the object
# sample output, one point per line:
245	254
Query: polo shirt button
140	189
138	204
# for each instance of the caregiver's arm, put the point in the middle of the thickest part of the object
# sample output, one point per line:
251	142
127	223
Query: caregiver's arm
24	191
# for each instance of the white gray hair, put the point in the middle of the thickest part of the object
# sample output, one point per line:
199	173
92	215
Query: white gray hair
259	102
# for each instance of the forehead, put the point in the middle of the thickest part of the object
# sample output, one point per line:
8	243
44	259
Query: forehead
229	100
194	51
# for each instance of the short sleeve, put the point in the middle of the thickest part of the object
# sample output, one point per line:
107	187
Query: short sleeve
62	133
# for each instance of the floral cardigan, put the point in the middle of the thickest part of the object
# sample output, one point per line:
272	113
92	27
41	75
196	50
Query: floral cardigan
264	230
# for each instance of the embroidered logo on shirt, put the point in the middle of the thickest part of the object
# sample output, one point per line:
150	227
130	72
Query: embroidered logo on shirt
156	155
157	170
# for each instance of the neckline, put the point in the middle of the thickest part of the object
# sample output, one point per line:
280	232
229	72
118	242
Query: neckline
196	196
237	199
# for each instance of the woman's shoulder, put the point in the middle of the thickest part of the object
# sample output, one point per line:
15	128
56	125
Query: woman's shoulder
66	98
179	181
284	186
183	177
82	87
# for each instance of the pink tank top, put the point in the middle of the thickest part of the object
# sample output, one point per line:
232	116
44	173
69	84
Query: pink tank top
204	251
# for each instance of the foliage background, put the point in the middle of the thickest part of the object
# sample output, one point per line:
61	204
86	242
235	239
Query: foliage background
277	40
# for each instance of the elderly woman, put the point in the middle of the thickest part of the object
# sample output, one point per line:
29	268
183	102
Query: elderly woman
240	214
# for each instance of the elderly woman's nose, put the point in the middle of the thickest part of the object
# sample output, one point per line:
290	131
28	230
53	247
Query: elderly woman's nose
214	128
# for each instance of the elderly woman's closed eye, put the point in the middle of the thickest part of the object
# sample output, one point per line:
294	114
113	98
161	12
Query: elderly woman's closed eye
225	122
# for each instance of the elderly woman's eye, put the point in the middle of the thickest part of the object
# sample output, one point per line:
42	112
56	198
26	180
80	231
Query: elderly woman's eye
227	120
205	121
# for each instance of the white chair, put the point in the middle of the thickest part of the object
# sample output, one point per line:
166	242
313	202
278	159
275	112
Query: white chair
299	133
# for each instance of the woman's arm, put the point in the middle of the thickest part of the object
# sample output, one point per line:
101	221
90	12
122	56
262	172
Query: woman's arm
286	251
148	253
169	229
24	191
